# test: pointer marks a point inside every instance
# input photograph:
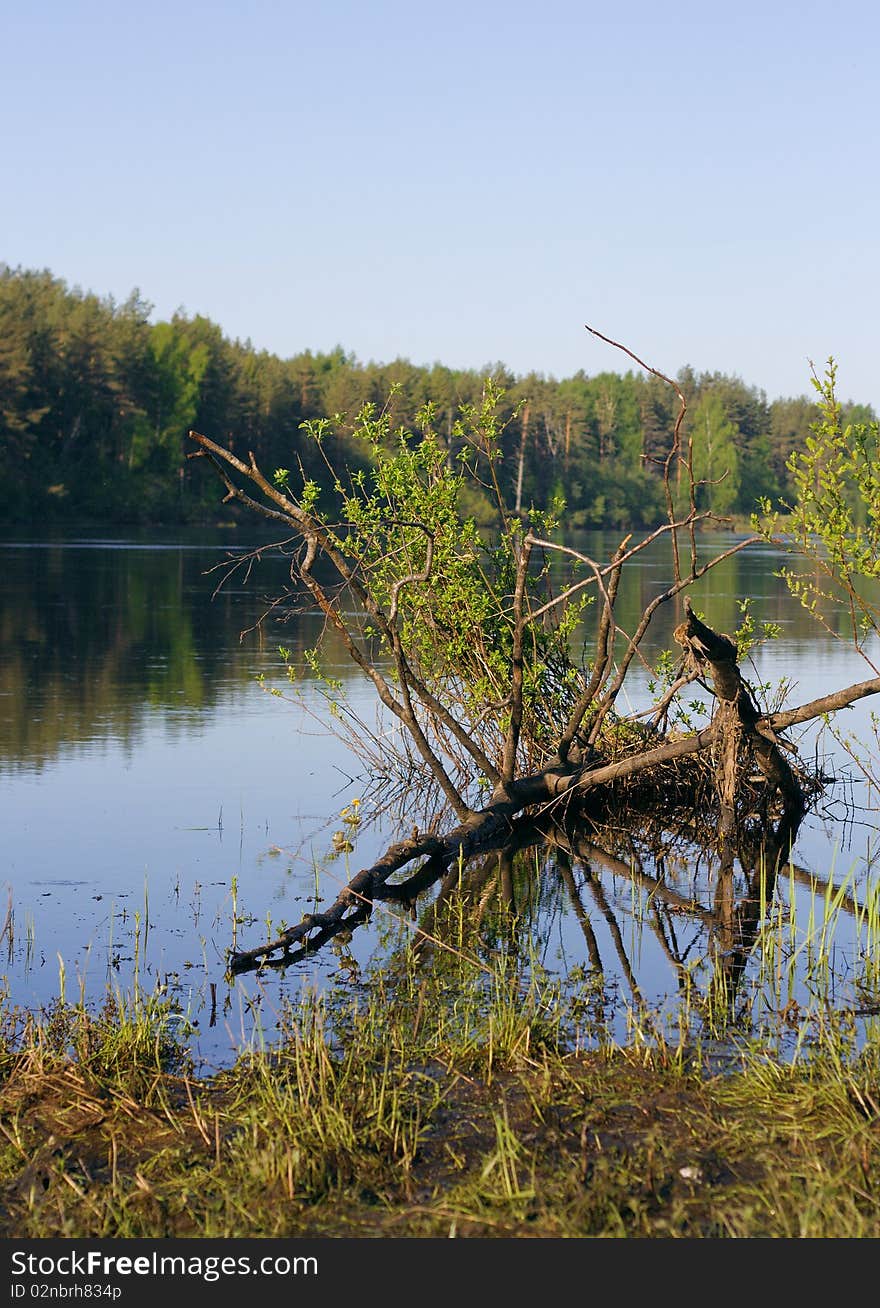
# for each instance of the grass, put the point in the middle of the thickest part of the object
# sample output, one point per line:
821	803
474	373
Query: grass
448	1101
464	1091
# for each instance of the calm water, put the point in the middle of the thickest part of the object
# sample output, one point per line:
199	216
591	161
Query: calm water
159	806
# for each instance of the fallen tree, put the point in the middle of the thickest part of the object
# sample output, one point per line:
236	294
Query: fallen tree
467	638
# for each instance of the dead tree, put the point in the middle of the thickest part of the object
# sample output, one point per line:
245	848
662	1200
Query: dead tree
474	656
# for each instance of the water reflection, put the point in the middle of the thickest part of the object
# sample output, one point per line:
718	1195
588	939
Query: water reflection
96	635
751	574
744	943
160	809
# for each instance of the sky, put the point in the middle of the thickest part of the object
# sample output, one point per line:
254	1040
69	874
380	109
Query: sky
464	183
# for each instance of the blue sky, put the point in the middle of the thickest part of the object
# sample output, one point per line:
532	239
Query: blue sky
464	183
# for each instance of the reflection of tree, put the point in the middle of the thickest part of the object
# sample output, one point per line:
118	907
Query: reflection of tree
726	931
583	917
590	854
472	905
95	637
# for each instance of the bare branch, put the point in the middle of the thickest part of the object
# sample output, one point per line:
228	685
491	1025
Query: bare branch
674	448
508	766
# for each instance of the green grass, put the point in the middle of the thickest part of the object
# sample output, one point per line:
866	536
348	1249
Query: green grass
453	1100
457	1088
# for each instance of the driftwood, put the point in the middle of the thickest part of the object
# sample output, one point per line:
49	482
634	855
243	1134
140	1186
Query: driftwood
738	736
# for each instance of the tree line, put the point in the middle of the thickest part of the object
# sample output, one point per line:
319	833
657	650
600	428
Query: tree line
96	402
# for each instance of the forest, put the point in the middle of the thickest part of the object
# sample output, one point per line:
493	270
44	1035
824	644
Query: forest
96	401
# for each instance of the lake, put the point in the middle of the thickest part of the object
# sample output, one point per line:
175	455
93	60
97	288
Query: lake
159	807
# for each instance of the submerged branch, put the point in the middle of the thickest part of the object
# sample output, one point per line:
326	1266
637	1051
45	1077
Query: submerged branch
540	791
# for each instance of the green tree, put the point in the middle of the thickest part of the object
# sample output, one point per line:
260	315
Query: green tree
179	366
790	421
834	519
715	460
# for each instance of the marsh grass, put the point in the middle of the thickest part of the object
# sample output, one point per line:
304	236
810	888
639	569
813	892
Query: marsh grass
818	961
444	1100
458	1088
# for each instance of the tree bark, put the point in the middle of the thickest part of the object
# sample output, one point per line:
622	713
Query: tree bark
736	714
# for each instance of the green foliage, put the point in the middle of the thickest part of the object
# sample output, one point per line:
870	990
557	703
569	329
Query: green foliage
716	462
834	519
750	634
180	365
447	586
96	401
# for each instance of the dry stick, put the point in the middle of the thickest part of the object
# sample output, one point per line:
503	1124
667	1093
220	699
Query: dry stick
658	710
475	830
818	707
412	723
407	679
407	892
511	741
559	781
342	917
424	575
629	553
435	707
431	703
635	640
476	833
356	896
676	436
317	538
737	713
403	711
536	790
692	497
604	647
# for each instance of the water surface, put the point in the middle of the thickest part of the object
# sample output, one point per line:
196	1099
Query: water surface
160	807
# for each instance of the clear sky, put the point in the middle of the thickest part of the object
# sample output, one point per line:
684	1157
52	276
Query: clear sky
463	183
